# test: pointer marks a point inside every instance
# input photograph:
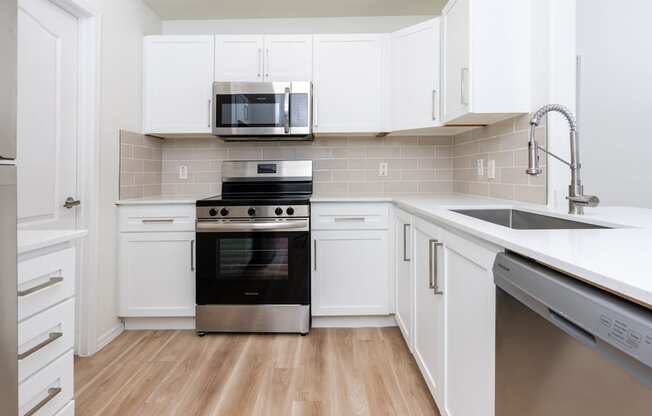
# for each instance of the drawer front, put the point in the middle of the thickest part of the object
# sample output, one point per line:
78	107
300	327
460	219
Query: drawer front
44	337
44	281
49	390
69	410
350	216
137	218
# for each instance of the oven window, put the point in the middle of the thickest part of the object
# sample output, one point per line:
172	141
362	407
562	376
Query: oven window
250	110
253	258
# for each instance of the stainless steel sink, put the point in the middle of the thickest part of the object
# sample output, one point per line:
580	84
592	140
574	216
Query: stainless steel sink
523	220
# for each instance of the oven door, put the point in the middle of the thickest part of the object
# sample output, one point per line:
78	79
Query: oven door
262	108
242	265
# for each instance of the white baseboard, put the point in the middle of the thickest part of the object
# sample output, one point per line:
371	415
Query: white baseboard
353	321
139	324
109	336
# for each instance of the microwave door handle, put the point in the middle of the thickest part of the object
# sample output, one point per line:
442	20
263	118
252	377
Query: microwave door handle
286	111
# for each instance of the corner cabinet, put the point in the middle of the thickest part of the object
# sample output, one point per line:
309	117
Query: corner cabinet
177	83
349	75
156	266
404	285
416	92
486	63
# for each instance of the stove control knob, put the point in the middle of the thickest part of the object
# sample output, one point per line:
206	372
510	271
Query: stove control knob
290	211
224	212
278	211
212	212
251	212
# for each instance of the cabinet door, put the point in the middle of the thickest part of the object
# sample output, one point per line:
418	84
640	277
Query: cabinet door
238	58
288	58
350	273
404	276
456	59
415	76
429	346
178	81
347	83
157	276
470	326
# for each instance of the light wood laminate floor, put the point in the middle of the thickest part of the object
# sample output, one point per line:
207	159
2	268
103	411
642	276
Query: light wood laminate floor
329	372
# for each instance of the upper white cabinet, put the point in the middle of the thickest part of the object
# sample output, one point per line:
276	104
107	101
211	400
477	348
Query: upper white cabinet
416	92
486	60
178	80
288	57
263	58
349	74
239	58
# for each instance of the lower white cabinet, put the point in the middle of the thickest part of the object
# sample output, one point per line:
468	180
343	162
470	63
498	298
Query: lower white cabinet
403	264
350	273
157	277
429	300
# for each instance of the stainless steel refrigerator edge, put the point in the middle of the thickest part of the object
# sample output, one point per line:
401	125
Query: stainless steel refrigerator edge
8	290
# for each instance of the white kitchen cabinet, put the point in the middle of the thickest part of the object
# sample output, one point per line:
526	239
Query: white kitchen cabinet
288	58
416	93
177	79
486	60
404	283
157	274
470	324
350	275
238	58
430	299
349	74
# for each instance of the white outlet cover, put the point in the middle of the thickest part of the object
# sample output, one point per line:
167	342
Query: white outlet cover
183	172
491	169
383	169
479	167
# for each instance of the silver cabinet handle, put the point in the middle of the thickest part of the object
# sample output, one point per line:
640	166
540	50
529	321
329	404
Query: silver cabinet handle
52	336
433	278
210	111
315	259
71	202
405	227
267	64
51	282
260	62
463	92
157	221
52	393
286	111
192	255
434	104
350	219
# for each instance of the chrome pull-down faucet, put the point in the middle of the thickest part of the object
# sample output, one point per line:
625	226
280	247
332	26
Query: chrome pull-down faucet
576	198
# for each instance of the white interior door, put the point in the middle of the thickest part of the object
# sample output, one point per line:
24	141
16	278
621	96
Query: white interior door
47	115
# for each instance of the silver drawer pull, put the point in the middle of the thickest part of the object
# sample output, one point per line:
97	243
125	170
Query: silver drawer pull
52	393
158	221
433	275
53	281
344	219
53	336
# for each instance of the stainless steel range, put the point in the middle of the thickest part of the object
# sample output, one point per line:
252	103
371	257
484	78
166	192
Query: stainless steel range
253	250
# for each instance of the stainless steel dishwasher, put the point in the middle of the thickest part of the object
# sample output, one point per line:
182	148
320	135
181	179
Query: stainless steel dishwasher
566	348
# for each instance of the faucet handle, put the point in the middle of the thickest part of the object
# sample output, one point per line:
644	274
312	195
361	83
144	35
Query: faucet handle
585	200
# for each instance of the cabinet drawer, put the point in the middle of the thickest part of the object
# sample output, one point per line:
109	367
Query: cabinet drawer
44	281
147	218
44	337
50	390
350	216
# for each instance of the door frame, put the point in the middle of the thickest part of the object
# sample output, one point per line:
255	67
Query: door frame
89	33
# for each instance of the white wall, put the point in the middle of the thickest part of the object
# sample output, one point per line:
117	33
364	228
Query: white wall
615	102
123	24
374	24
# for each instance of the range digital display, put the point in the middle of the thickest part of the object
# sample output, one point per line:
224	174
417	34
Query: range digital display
267	168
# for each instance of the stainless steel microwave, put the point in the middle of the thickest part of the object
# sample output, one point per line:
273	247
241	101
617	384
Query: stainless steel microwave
262	110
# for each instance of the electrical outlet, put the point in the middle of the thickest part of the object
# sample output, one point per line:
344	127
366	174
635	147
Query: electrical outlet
491	169
183	172
383	169
479	167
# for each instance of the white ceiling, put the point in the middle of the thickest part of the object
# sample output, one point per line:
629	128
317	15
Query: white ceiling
238	9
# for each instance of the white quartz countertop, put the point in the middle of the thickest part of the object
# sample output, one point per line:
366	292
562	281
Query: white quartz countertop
162	200
30	240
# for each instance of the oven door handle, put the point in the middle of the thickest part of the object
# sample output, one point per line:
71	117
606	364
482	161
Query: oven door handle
230	226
